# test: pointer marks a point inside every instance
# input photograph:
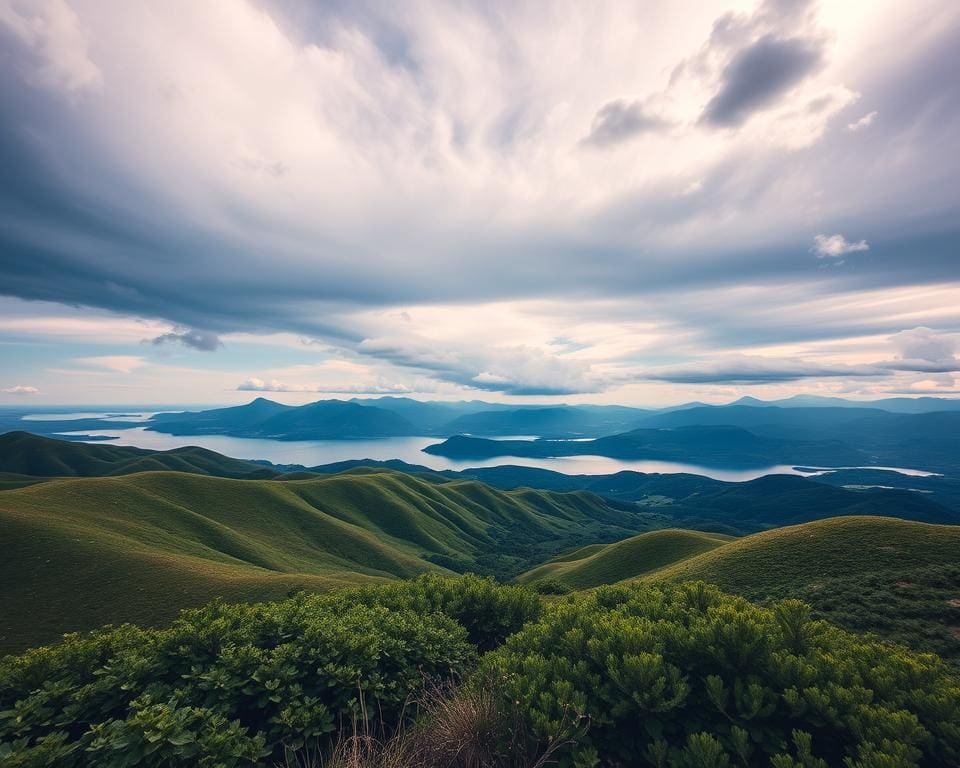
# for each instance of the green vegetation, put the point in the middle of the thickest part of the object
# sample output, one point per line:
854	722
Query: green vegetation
608	563
85	552
232	685
687	676
778	562
895	578
674	675
22	453
702	503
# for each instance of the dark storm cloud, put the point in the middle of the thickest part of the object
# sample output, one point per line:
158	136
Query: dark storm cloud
758	75
621	120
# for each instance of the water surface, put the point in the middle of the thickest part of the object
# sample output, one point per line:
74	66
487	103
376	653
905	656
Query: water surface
311	453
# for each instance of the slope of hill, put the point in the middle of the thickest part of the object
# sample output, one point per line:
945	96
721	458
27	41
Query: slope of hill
24	453
779	561
84	552
689	501
695	501
593	566
897	578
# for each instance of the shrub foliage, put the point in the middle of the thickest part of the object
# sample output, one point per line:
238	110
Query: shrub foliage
678	676
688	676
231	685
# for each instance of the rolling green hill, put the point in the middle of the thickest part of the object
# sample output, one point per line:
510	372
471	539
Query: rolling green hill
778	562
83	552
592	566
897	578
23	453
694	501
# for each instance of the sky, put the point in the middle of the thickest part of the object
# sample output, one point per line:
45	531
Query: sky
621	202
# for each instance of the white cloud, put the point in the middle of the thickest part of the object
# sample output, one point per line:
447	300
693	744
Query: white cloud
336	171
923	349
118	363
834	246
863	122
52	31
379	386
514	370
20	389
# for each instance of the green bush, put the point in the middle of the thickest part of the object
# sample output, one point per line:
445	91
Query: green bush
490	612
226	685
550	587
688	676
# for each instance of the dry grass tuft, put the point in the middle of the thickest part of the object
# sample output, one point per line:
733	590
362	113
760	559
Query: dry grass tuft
456	728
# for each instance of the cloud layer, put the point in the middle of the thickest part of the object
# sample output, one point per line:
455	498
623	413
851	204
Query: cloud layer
436	193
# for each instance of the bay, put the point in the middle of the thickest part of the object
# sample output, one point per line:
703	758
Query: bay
311	453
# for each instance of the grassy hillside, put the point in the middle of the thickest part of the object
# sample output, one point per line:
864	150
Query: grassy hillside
592	566
897	578
23	453
694	501
778	562
83	552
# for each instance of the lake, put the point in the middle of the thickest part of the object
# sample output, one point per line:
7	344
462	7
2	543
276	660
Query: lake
311	453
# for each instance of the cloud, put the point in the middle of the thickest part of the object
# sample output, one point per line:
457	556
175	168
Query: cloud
929	387
863	122
924	350
620	120
20	389
205	341
517	370
923	343
363	159
758	75
745	369
834	246
51	32
379	386
118	363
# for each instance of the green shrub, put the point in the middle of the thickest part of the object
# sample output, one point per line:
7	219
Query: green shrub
688	676
550	587
226	685
490	612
